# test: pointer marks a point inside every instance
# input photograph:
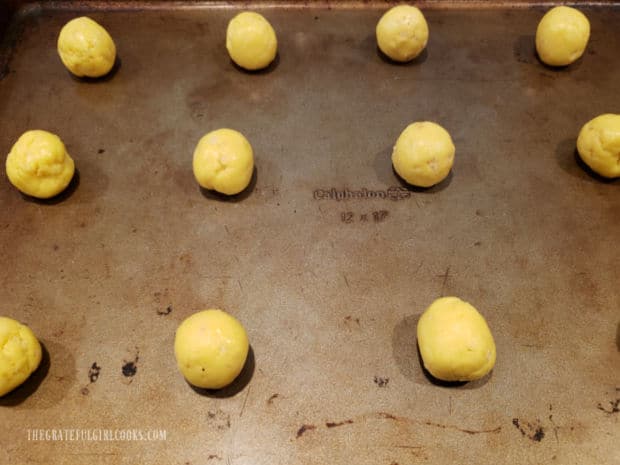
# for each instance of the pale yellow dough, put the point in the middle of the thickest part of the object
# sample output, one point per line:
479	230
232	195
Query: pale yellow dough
251	41
86	48
423	154
20	354
39	165
562	36
598	145
455	341
211	347
224	161
402	33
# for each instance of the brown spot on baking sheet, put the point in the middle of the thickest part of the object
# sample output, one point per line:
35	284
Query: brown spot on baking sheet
166	311
389	416
219	418
463	430
350	319
332	424
303	428
533	431
130	368
614	406
93	372
272	398
381	382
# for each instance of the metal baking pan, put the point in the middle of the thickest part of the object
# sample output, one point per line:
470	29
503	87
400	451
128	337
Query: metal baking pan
327	259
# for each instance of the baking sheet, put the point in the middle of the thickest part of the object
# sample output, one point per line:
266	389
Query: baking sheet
329	289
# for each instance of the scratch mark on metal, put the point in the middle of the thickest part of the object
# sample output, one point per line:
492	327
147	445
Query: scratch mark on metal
245	400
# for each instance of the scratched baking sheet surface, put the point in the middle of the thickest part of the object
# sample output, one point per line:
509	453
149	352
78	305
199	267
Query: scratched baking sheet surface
329	290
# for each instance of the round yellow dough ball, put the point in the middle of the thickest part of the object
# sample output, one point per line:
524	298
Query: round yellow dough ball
455	341
423	154
20	354
251	41
86	48
562	36
39	165
211	348
598	145
224	161
402	33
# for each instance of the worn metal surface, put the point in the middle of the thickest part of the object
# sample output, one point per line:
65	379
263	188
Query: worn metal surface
328	290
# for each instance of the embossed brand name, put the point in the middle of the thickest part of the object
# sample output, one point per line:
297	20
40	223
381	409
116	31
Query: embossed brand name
391	193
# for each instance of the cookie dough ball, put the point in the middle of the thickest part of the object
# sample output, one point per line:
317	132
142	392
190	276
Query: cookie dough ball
251	41
598	145
402	33
562	36
20	354
224	161
423	154
86	48
211	348
455	341
39	165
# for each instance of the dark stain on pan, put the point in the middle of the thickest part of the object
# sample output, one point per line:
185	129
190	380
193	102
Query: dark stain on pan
335	424
219	418
381	382
244	194
532	431
303	429
463	430
272	398
100	151
166	311
612	408
93	372
350	319
130	368
399	419
389	416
